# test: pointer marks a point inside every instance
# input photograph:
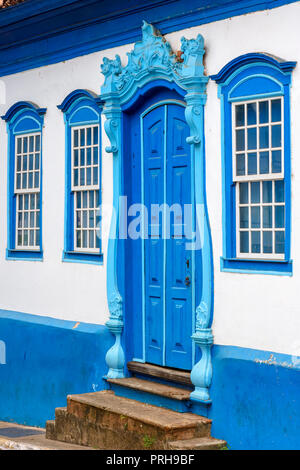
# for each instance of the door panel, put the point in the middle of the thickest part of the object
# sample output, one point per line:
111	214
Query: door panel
168	283
153	162
178	294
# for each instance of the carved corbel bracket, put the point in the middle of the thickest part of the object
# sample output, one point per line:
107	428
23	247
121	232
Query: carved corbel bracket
193	116
111	129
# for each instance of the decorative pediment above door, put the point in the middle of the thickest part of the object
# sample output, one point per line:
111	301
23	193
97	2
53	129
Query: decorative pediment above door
153	58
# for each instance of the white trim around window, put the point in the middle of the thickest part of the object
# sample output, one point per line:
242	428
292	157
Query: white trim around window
258	174
86	187
27	191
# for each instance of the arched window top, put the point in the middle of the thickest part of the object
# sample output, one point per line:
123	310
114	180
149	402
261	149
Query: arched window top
256	84
254	74
81	106
251	60
24	117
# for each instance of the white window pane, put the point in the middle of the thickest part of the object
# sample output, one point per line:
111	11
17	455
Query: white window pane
279	241
276	110
255	242
26	201
19	145
36	179
251	114
244	242
37	161
84	238
243	193
89	136
91	239
264	112
37	219
25	144
31	143
78	238
37	143
84	199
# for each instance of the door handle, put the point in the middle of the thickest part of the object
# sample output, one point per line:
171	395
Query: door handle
187	281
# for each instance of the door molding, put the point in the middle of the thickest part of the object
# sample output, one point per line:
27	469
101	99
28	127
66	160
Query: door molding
150	61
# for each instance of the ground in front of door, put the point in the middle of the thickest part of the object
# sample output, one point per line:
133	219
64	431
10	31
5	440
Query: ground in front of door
17	437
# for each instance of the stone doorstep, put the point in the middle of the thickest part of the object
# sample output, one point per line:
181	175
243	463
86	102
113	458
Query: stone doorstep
200	443
115	440
165	373
155	388
104	420
156	417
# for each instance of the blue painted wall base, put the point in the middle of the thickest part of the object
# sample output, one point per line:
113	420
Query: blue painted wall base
255	399
255	394
45	360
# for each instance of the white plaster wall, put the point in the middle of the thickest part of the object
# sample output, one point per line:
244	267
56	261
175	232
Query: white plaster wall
255	311
69	291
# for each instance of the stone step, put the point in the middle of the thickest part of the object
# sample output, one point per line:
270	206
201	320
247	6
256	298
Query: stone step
60	411
106	421
152	387
164	373
152	393
198	443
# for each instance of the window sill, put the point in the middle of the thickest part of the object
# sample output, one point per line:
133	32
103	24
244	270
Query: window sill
24	255
276	267
86	258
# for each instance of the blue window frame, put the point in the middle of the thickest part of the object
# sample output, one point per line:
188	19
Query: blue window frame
24	126
82	115
256	164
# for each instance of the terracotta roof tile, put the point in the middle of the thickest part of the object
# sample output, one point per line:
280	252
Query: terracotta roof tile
9	3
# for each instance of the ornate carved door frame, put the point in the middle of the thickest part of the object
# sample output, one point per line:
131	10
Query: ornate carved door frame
152	59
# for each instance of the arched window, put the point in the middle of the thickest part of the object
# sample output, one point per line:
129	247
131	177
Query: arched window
255	100
82	115
24	124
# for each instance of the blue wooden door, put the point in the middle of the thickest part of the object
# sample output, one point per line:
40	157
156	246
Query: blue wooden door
167	194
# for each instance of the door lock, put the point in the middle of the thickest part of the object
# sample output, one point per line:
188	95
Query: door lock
187	281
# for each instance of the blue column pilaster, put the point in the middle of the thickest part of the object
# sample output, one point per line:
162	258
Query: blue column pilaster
193	79
115	357
201	374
